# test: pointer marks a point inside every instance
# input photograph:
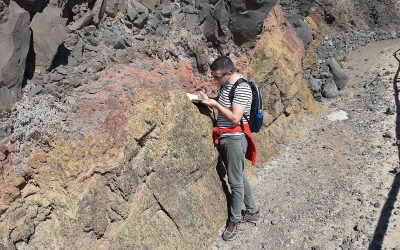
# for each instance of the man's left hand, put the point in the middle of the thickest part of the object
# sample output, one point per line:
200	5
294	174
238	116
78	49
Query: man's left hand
207	101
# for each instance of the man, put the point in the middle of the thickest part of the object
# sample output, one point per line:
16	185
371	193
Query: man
233	136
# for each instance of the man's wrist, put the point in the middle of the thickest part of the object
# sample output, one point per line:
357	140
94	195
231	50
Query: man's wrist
216	105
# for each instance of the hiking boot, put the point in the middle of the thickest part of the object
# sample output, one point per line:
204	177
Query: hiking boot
252	217
230	232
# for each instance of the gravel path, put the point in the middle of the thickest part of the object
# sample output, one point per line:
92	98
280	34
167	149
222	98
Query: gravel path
334	186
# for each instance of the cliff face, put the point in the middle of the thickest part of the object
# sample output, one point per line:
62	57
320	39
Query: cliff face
136	171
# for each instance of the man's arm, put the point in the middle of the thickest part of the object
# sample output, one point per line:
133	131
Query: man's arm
233	116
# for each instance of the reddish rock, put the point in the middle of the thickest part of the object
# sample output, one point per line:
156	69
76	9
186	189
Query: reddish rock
10	147
14	159
10	194
315	73
3	156
37	159
3	148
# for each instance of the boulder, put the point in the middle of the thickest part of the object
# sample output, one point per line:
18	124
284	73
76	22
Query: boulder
302	29
14	39
339	76
221	14
329	89
313	85
32	6
83	21
98	11
137	13
151	4
246	19
49	32
210	29
112	7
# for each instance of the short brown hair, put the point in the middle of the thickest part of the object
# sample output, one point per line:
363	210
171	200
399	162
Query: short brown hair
223	63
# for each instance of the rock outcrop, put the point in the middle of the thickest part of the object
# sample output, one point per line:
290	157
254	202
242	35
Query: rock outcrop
49	32
247	18
14	39
350	14
276	66
134	164
143	176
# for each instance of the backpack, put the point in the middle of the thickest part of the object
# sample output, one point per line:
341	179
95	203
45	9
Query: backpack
256	111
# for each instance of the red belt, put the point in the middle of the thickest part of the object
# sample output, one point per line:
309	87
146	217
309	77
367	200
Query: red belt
251	152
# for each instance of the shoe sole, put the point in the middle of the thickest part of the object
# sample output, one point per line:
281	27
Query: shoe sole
230	239
253	222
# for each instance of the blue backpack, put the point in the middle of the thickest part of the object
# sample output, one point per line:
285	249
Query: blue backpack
256	111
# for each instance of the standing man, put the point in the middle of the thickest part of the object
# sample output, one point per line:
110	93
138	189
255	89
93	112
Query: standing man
232	136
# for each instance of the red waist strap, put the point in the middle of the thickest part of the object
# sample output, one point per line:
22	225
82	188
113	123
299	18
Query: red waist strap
251	152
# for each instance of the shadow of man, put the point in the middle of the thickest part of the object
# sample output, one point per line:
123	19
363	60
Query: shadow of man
383	222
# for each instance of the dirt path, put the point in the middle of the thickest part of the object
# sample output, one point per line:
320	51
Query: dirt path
334	187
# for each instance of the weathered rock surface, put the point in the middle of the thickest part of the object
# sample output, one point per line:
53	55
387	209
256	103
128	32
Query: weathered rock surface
339	76
14	40
32	6
247	18
301	28
329	89
49	32
142	177
350	13
120	159
286	93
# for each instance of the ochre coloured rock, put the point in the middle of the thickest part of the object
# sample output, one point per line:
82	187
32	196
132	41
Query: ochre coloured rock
277	67
316	23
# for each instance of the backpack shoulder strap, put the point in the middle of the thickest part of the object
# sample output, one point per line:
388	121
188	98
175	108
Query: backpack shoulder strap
232	95
233	89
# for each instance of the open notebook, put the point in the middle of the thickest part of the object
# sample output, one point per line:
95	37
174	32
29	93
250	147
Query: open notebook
193	98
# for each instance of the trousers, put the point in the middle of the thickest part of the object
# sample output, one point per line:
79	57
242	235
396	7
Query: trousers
232	151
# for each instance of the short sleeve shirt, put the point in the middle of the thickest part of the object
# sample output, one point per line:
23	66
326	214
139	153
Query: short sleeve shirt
243	96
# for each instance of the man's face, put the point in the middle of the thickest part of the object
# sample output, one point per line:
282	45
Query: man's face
222	78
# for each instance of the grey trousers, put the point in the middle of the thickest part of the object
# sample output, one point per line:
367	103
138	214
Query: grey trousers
232	150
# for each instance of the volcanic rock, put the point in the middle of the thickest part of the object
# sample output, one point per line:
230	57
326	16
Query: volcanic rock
49	31
338	73
14	40
246	19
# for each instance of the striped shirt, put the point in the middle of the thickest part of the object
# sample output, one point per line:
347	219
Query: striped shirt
243	96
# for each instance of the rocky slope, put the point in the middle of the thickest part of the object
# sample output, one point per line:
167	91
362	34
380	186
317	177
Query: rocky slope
103	149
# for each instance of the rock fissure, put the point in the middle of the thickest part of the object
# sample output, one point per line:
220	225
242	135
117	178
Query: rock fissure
142	140
162	208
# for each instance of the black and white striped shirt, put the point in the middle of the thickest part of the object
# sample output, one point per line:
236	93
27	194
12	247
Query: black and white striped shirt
243	96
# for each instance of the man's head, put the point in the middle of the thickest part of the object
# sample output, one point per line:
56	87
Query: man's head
222	69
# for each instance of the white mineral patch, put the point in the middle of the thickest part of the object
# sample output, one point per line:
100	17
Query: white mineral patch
340	115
